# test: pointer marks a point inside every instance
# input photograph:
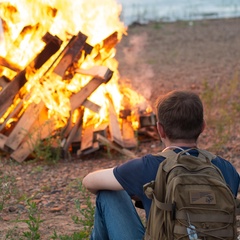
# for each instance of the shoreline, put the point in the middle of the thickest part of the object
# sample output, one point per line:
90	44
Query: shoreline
170	11
136	23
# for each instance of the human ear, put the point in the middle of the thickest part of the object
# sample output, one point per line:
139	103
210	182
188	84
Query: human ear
161	130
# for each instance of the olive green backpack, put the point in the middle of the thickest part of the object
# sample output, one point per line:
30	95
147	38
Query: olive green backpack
190	200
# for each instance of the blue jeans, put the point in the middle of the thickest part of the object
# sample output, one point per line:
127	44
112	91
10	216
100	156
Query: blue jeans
116	218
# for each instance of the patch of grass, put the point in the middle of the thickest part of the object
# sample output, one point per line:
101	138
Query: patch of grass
44	150
33	222
74	236
7	188
37	169
85	218
48	149
86	210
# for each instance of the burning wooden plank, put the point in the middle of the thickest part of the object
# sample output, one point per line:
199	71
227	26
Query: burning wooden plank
12	88
95	147
148	131
9	92
147	126
110	42
108	143
85	102
4	81
40	130
95	71
147	120
6	63
13	113
128	135
53	44
87	138
24	124
102	129
114	128
72	52
77	99
91	105
91	134
73	131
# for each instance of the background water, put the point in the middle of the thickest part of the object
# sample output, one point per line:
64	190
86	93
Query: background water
171	10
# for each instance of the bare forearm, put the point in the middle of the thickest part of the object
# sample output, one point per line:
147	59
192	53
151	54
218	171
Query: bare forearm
101	180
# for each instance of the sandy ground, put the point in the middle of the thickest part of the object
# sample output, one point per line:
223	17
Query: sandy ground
153	59
165	56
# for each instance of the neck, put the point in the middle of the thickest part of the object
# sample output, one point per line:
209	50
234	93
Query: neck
180	143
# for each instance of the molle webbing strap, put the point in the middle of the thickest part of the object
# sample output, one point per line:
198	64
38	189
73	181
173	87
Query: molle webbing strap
204	218
218	234
237	200
163	206
237	211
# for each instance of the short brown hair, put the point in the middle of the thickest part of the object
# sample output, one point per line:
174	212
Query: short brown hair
181	115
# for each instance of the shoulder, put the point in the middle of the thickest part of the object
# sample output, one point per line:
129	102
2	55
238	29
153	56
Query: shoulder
145	166
142	162
223	164
229	172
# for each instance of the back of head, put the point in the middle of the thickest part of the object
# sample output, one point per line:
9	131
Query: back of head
181	115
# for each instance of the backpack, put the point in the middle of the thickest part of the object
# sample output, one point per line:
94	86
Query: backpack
190	200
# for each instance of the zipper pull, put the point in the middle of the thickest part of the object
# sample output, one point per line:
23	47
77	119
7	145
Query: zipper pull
191	230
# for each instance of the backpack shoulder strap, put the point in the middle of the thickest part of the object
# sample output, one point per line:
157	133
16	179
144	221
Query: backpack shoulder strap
205	153
170	159
172	156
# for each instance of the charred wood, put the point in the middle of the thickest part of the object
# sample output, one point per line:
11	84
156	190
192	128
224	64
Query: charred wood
8	93
110	144
6	63
73	131
114	128
77	99
40	129
24	124
4	81
147	120
52	46
128	134
73	50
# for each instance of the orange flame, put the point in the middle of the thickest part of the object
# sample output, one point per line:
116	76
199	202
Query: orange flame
24	23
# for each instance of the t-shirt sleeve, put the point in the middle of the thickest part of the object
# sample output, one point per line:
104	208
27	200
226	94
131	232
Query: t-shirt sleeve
131	176
229	172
